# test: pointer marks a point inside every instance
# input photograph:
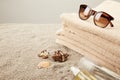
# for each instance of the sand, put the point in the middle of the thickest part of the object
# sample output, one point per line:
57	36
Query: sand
19	46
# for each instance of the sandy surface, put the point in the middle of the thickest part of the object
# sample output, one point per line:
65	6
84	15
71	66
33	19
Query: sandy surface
19	46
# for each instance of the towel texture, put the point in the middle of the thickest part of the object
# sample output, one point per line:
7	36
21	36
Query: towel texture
108	46
109	33
92	47
89	50
87	54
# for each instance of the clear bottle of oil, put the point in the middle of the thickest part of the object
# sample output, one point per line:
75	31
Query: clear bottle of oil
101	73
82	75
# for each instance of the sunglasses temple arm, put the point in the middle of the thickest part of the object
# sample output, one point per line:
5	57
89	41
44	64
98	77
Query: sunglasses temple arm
111	24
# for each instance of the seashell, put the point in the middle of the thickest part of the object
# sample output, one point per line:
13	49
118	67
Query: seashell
44	64
44	54
60	56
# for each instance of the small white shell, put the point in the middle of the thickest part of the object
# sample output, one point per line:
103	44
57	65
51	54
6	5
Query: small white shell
44	64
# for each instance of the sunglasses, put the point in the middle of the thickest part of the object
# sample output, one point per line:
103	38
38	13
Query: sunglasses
101	19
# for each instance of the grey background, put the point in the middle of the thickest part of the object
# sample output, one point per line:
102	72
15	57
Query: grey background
39	11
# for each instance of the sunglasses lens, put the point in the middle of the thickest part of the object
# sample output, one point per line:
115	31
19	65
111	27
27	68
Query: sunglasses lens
84	12
101	19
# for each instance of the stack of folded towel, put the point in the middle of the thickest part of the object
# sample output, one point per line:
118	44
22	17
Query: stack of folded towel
101	45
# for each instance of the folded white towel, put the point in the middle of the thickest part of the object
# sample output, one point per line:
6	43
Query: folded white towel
87	54
111	34
97	50
108	46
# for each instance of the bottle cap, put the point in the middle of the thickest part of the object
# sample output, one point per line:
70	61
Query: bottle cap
75	70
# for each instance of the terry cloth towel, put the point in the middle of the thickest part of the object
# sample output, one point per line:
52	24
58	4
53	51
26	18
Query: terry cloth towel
109	33
92	46
70	42
81	49
108	46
